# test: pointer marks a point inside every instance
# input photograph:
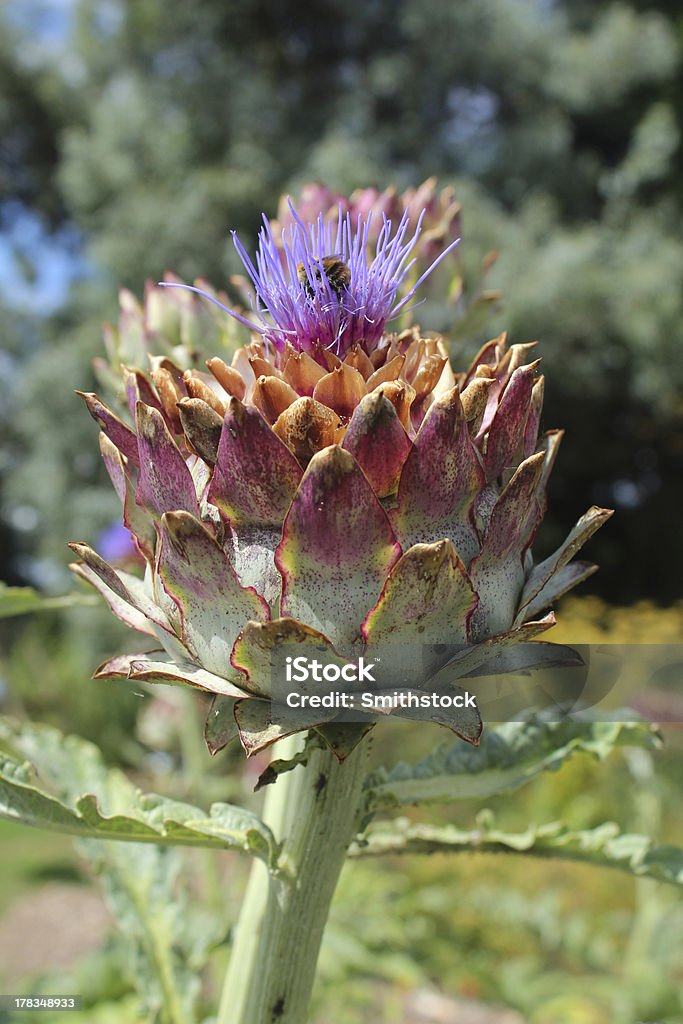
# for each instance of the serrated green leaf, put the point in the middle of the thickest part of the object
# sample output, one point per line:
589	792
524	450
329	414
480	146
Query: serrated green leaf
509	756
145	892
604	846
116	809
144	883
21	801
22	600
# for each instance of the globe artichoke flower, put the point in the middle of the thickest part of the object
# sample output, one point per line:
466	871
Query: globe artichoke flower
335	489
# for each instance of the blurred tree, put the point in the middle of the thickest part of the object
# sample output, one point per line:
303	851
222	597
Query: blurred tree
151	131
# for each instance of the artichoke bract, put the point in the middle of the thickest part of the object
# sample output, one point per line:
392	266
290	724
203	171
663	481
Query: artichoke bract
335	489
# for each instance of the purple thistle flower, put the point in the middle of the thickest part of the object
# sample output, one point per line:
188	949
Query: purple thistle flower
299	300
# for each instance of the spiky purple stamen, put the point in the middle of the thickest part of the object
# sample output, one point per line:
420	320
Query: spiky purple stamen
315	314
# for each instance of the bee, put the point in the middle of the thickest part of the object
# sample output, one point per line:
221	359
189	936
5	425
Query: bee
336	271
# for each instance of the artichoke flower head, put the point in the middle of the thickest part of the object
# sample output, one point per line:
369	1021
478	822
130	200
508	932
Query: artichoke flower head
335	489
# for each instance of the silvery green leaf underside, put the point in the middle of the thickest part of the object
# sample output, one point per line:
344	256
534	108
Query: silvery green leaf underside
63	785
509	756
603	846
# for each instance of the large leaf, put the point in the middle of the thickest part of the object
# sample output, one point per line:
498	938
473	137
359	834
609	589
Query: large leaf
604	846
22	600
167	936
67	788
145	884
509	755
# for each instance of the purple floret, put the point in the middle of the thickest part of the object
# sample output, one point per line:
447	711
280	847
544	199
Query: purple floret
311	314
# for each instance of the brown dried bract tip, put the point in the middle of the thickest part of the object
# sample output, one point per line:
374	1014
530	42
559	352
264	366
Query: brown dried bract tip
406	337
307	426
329	359
202	427
401	396
256	349
474	399
357	358
137	383
228	377
490	354
414	356
518	355
272	396
341	390
302	372
199	388
169	394
263	367
428	374
391	370
164	363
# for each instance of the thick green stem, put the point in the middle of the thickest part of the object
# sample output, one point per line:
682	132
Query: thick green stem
314	811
